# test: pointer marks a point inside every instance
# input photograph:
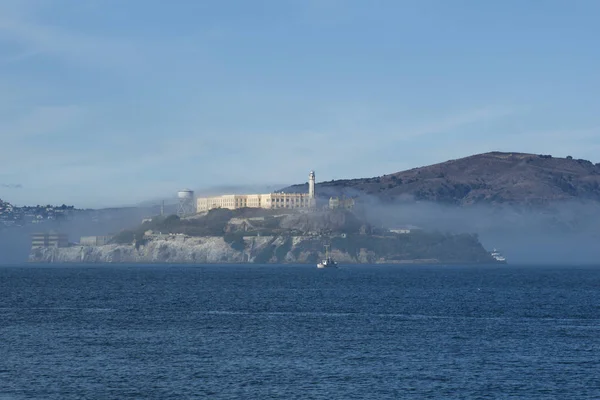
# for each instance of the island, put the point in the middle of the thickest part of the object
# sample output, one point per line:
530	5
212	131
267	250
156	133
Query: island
263	236
530	205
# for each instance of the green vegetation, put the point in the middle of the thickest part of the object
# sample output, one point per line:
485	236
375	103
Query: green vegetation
281	251
341	229
124	237
415	245
212	224
265	255
250	222
235	240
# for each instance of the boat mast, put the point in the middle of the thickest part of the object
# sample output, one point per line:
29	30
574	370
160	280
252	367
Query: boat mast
326	251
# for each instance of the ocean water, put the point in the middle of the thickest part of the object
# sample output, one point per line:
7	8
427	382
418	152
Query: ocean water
295	332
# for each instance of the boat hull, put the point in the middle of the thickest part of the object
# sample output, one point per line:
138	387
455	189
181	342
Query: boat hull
322	266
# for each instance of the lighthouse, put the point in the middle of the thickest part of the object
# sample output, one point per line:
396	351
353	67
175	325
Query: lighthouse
311	188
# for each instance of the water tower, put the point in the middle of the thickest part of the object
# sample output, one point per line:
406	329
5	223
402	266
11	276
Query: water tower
186	204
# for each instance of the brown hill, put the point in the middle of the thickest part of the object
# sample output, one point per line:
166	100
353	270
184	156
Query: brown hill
513	178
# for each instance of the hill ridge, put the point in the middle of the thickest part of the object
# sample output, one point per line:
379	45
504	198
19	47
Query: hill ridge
492	178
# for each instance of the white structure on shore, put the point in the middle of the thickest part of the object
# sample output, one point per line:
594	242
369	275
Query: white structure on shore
186	203
271	200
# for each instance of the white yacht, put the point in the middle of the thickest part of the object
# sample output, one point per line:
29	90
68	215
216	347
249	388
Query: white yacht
328	262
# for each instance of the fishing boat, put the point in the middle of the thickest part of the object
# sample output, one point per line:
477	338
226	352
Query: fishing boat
328	262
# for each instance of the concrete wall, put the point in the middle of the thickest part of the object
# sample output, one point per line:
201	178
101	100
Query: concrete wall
94	240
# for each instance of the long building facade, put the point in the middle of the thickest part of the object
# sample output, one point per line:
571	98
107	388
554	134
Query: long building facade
270	201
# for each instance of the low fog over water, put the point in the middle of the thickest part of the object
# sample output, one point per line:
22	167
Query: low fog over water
15	242
559	234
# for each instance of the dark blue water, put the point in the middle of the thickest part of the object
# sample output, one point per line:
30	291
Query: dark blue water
291	332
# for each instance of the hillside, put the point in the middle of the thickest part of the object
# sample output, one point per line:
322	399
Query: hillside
249	222
489	178
272	236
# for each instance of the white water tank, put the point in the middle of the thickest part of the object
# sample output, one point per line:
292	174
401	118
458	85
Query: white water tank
186	205
185	194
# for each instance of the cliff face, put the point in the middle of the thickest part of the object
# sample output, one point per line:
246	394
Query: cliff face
189	250
271	249
209	250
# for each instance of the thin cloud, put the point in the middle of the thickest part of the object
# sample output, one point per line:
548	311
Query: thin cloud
19	26
15	58
458	120
127	55
334	151
41	120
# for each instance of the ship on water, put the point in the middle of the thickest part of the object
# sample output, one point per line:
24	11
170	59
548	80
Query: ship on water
328	262
496	255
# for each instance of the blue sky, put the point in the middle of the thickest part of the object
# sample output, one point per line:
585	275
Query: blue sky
111	102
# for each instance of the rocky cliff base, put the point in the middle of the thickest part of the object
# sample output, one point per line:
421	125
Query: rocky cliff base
273	249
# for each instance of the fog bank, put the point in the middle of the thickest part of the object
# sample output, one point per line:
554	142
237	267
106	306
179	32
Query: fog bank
564	233
15	242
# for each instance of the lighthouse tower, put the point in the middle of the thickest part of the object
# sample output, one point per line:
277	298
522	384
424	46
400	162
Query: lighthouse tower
311	188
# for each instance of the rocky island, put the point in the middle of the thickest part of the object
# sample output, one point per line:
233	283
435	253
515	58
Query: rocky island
271	236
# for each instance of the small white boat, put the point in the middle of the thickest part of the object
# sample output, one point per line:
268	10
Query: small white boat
328	262
497	256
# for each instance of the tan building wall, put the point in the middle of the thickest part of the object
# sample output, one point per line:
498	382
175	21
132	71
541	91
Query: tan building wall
269	201
228	201
290	200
